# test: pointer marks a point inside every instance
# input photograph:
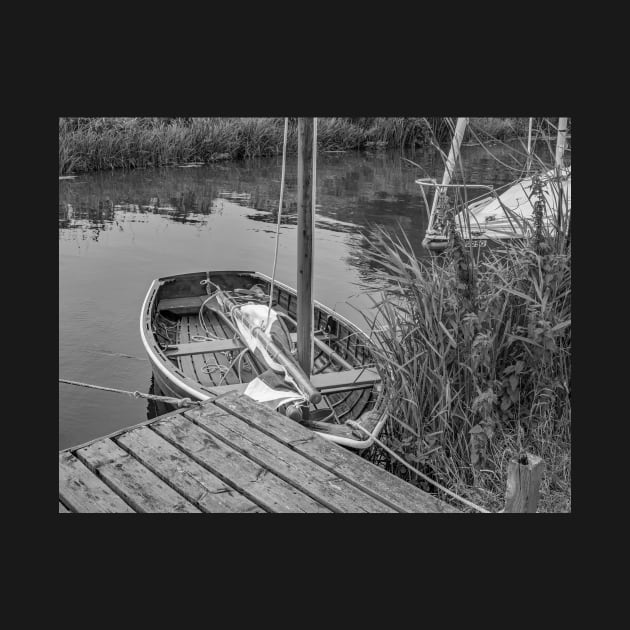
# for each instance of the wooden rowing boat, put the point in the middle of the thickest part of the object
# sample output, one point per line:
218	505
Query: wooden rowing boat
191	333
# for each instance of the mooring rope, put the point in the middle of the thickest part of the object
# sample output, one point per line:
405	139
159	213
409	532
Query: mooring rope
178	402
352	423
275	256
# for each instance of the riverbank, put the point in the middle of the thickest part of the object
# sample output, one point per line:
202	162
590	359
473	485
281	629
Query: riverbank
476	362
92	144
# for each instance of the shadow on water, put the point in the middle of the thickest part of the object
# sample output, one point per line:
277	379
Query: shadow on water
157	408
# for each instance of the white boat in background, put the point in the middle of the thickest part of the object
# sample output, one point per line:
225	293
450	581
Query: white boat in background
506	216
494	217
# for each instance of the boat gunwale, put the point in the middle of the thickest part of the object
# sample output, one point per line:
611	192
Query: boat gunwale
159	360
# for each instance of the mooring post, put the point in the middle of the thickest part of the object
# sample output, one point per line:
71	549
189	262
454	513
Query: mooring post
305	245
560	147
523	483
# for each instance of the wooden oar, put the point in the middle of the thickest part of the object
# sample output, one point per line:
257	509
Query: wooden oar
321	345
276	353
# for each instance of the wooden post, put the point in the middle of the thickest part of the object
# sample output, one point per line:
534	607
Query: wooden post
305	245
560	145
523	483
561	141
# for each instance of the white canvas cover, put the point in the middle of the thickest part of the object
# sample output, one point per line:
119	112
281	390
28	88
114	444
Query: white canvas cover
274	387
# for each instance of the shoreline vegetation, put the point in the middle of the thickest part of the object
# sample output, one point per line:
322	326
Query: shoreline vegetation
476	363
93	144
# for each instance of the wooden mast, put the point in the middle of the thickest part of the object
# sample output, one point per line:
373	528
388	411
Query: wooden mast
305	245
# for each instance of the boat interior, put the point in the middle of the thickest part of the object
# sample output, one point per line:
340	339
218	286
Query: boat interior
199	340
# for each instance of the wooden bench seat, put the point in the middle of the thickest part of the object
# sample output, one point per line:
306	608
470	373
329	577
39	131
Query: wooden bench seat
182	306
201	347
327	383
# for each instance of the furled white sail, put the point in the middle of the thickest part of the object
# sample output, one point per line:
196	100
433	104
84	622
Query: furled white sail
276	386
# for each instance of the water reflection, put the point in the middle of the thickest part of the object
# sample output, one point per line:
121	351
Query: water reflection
355	191
351	187
118	231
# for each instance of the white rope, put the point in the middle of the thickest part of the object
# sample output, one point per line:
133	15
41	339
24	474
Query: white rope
275	256
352	423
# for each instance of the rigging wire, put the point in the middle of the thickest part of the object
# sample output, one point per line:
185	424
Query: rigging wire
275	257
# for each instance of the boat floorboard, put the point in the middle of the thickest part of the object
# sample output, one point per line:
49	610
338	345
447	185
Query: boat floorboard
230	455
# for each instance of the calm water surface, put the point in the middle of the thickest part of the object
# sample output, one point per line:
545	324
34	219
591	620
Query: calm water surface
118	231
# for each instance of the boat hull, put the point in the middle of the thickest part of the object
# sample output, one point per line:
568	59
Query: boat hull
180	370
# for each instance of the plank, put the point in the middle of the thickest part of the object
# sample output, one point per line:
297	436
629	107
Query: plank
366	476
181	305
201	363
203	347
83	491
327	383
189	478
322	485
135	483
330	382
319	334
214	326
185	362
63	509
255	482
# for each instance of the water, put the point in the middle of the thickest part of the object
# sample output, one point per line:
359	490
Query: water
120	230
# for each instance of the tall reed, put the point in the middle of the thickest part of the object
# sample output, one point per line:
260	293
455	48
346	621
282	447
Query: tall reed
109	143
471	383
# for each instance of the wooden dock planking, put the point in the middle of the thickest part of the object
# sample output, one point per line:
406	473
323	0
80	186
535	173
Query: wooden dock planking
137	485
373	480
83	491
255	482
193	481
228	455
313	480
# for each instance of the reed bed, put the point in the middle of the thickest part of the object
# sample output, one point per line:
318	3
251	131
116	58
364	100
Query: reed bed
476	362
87	144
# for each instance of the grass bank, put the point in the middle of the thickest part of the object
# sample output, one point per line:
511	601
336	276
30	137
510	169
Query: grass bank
88	144
476	361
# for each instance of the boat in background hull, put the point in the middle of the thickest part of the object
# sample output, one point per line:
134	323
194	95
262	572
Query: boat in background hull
495	221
